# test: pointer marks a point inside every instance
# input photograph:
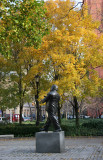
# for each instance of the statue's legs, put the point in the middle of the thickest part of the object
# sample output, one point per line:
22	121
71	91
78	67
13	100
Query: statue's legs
55	122
52	119
47	124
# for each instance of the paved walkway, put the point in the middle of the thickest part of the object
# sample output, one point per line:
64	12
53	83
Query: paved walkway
75	149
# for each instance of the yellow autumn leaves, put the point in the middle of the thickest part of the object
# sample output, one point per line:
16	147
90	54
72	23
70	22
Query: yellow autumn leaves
72	48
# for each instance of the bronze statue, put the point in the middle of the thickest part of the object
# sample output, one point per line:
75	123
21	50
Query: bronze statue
52	104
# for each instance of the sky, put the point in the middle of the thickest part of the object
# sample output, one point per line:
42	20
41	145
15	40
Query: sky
78	1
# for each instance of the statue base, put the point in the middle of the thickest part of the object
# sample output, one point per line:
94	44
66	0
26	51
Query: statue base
50	142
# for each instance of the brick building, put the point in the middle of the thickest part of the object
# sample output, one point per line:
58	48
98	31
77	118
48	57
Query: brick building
95	8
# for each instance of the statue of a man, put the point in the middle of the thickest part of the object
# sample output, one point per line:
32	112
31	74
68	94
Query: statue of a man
52	102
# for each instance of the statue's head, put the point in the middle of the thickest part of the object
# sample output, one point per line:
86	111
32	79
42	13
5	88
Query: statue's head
54	87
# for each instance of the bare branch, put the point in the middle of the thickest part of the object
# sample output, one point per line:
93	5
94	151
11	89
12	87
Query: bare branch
71	103
84	75
73	8
81	103
97	67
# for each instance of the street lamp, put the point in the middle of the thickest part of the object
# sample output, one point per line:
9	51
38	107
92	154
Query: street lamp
37	78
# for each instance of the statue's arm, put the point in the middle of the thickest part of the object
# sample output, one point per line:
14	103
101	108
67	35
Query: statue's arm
46	98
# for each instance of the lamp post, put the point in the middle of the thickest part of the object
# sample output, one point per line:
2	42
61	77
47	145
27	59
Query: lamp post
10	110
10	115
36	97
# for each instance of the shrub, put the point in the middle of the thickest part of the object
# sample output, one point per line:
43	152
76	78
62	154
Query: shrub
19	130
87	128
93	124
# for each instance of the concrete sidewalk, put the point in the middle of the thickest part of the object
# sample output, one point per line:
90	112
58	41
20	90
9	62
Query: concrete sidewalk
75	149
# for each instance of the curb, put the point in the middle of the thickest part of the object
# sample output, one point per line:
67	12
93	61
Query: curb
10	136
77	137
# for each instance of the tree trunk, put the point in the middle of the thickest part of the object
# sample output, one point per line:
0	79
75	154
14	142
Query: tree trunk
76	107
37	105
20	96
2	113
21	108
38	115
73	112
77	117
30	112
99	113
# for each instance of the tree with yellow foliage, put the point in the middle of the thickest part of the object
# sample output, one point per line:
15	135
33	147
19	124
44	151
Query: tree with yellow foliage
31	60
72	51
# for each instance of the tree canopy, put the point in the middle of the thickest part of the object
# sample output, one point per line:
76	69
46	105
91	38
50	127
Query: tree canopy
23	23
72	51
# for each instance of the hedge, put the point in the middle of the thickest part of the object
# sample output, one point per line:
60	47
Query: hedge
91	128
19	130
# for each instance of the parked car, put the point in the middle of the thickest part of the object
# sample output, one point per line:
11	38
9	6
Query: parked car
27	119
15	117
102	116
70	117
87	116
82	116
33	116
4	120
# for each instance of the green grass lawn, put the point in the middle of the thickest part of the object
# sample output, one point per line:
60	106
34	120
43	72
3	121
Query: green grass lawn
68	122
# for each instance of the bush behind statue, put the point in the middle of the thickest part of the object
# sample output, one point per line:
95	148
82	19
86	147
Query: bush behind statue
19	130
87	128
98	124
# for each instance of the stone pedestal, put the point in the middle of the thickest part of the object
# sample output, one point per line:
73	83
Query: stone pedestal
50	142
